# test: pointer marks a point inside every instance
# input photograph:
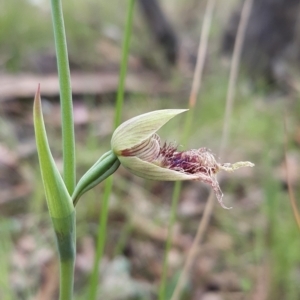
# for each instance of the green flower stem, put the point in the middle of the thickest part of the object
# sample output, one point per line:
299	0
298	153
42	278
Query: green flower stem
65	96
66	242
102	169
66	283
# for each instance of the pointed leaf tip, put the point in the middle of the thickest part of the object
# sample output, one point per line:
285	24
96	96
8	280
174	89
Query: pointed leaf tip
58	199
37	101
37	93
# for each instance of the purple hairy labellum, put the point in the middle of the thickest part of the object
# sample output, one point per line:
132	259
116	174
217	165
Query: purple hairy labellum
144	155
199	162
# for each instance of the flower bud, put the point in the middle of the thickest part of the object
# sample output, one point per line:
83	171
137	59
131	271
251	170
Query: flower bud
139	149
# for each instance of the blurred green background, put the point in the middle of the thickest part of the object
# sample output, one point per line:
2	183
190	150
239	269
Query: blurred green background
249	252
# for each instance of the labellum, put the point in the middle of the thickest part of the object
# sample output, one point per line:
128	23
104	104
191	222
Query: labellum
139	149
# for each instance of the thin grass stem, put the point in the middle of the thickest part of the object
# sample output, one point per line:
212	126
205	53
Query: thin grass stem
109	182
292	198
101	238
225	135
234	71
126	230
197	79
172	219
123	68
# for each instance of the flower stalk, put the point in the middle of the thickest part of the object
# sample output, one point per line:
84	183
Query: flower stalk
68	137
102	169
58	189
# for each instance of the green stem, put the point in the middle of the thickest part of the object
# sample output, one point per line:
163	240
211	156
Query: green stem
109	182
66	279
101	238
172	218
65	95
66	242
123	69
125	233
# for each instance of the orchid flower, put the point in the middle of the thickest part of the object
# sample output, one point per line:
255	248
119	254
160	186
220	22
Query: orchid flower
139	149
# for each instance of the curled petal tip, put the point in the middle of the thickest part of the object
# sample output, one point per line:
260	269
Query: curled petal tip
232	167
220	200
225	207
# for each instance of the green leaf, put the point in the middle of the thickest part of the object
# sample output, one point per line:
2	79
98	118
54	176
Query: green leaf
59	202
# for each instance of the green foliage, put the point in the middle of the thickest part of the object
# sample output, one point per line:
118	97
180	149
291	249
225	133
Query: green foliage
58	199
263	234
